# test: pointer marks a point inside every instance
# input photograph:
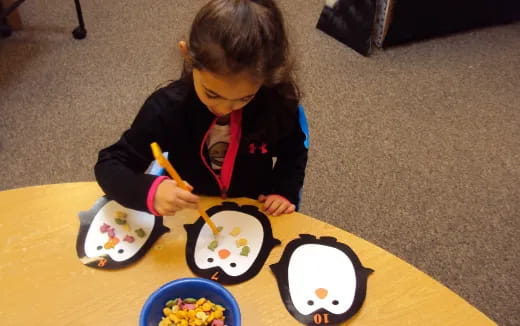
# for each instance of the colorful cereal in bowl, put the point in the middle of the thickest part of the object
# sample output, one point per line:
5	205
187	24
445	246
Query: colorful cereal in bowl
190	301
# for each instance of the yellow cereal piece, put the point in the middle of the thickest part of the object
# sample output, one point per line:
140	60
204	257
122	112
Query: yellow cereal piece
167	311
206	306
235	231
165	322
174	318
218	313
241	242
200	301
120	214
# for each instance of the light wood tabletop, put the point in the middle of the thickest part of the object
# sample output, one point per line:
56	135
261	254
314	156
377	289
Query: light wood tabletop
43	282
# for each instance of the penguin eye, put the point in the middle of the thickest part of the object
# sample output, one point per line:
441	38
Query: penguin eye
120	251
210	260
310	302
335	302
233	265
99	247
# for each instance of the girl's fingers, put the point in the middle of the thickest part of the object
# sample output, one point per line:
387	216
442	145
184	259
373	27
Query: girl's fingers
190	187
284	208
275	205
268	201
186	196
189	205
261	198
167	211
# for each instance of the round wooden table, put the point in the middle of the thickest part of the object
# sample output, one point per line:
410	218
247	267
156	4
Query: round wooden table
43	282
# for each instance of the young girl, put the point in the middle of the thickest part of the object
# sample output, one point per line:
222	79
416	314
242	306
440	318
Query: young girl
231	115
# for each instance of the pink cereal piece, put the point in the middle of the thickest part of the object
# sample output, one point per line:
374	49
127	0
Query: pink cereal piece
112	232
188	306
217	322
104	228
129	238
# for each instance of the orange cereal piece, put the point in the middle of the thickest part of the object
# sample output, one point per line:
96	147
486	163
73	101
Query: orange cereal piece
111	243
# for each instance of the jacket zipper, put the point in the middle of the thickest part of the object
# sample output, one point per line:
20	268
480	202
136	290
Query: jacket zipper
229	160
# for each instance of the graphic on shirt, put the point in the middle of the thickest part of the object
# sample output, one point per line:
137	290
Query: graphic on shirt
321	281
112	236
218	142
217	152
238	252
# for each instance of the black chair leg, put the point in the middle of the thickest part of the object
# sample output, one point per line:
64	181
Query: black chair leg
79	32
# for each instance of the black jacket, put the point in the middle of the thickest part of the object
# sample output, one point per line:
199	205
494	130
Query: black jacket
175	118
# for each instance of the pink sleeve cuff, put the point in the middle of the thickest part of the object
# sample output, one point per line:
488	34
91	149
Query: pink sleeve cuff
151	195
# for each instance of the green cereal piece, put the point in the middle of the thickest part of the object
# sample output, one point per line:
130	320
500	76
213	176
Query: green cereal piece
189	300
245	251
213	245
171	303
120	221
140	233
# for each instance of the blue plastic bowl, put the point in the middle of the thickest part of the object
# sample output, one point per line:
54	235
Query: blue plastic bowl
151	314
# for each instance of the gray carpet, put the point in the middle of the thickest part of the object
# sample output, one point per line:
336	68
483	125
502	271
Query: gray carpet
416	149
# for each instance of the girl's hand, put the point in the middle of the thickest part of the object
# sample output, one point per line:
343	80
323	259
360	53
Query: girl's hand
169	198
276	205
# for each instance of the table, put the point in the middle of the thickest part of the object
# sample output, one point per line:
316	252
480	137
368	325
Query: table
43	282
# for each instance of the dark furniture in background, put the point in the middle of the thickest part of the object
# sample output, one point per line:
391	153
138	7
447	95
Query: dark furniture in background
420	19
361	23
5	30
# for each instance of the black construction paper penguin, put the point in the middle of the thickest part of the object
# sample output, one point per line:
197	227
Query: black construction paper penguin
112	236
321	281
238	252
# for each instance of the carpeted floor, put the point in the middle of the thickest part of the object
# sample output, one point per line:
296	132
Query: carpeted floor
416	149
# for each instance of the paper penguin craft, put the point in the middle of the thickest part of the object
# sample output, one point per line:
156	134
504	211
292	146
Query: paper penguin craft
112	236
240	249
321	281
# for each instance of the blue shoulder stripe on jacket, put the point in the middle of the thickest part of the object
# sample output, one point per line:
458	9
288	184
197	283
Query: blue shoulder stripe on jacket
304	125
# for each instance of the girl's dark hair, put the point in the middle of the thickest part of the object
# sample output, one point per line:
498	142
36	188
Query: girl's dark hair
230	36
